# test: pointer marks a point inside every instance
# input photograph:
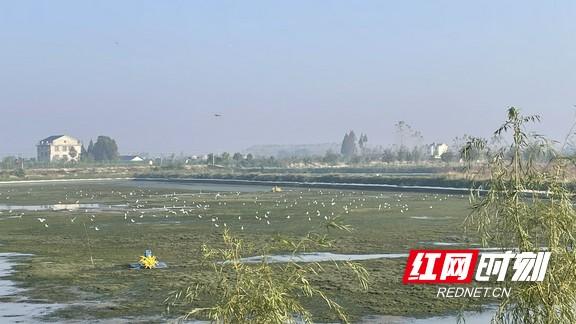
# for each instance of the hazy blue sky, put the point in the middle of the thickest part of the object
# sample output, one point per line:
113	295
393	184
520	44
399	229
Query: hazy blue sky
152	73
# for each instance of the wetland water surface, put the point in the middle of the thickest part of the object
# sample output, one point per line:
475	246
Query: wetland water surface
321	257
55	207
15	308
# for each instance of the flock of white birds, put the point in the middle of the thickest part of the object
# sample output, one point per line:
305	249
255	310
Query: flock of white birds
144	206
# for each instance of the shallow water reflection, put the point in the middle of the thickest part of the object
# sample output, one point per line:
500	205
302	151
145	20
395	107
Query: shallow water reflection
55	207
481	317
321	257
16	309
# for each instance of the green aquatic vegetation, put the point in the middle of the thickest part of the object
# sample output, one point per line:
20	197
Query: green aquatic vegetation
61	270
264	293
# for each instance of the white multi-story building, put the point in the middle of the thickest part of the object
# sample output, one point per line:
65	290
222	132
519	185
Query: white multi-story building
436	150
59	148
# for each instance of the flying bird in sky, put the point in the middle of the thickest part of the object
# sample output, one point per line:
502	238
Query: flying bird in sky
217	115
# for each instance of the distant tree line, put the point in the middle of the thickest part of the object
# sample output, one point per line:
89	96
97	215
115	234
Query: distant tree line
354	150
238	159
409	148
105	149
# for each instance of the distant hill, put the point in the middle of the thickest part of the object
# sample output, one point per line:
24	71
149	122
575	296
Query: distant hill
298	150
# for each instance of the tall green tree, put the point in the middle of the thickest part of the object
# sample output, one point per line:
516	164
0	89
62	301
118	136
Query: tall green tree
89	152
528	206
9	162
348	148
402	131
105	149
210	159
83	153
344	146
362	142
73	153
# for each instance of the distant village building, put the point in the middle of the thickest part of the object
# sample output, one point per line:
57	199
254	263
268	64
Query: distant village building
190	159
131	158
59	148
436	150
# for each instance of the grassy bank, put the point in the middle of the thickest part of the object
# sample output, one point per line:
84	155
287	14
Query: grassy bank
414	179
407	174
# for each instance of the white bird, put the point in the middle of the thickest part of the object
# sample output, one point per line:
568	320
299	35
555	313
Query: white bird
96	228
42	220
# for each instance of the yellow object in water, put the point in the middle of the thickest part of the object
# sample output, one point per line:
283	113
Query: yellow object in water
276	189
148	262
